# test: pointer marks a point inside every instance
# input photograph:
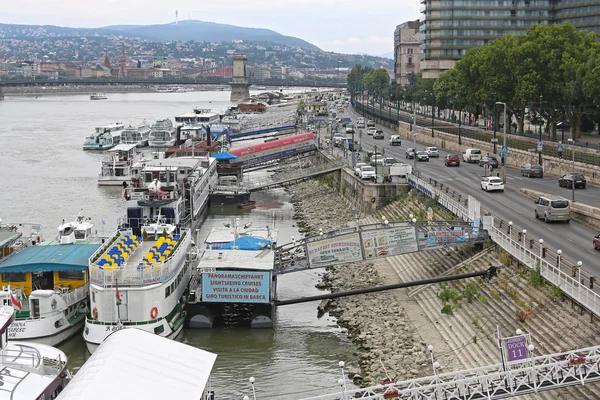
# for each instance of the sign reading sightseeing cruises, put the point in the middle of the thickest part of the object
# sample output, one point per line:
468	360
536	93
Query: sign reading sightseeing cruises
236	287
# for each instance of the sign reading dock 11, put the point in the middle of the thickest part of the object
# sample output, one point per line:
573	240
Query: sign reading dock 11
235	287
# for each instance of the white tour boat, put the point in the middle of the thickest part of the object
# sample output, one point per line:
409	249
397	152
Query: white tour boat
118	167
139	282
98	96
137	135
162	134
177	188
104	137
29	370
47	284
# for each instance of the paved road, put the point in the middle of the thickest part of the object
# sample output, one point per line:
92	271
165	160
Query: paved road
574	239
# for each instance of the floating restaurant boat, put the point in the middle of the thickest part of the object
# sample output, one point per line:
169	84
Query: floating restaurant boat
136	135
98	96
29	370
118	166
139	282
104	137
47	284
162	134
132	363
229	191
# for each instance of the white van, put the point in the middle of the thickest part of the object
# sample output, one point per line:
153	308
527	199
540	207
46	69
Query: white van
471	155
553	208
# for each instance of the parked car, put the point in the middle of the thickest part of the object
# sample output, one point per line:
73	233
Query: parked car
357	168
452	159
389	161
532	170
395	140
492	183
422	156
489	161
371	130
553	208
370	123
596	242
567	181
378	134
376	159
432	151
367	172
471	155
409	153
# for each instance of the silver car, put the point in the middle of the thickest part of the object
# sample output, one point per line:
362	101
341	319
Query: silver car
422	156
432	151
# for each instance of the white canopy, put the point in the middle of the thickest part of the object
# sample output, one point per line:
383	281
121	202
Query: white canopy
135	364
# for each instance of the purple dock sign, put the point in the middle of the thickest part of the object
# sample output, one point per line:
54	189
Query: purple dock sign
516	348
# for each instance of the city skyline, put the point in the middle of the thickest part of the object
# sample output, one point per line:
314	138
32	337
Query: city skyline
332	25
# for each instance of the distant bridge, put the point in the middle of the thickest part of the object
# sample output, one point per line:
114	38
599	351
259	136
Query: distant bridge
201	80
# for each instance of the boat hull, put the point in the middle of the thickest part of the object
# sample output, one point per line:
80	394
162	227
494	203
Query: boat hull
114	181
228	199
96	146
32	334
161	143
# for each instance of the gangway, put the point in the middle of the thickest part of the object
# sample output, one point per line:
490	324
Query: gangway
300	177
498	381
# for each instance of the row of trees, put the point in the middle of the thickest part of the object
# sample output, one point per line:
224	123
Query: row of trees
552	71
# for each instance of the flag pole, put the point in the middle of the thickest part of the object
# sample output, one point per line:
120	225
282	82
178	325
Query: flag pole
118	300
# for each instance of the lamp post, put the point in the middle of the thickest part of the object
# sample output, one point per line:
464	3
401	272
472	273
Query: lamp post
541	248
459	122
579	264
505	152
484	116
252	380
572	142
509	228
541	123
558	257
432	110
494	120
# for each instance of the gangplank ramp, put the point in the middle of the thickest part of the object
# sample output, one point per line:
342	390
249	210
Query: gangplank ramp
302	176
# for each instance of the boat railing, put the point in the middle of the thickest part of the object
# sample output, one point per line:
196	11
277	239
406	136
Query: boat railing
140	273
24	357
76	295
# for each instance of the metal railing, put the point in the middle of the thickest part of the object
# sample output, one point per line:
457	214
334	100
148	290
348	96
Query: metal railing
75	296
554	268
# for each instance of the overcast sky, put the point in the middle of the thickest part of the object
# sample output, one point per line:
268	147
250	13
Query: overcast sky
351	26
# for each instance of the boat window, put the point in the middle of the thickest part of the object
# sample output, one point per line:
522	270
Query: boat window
148	176
158	330
167	291
79	234
67	231
71	275
14	277
93	296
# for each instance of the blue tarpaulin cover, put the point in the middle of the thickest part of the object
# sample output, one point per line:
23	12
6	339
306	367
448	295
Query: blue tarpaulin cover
54	257
225	156
247	243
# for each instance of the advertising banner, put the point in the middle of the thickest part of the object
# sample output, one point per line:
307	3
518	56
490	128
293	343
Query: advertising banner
389	242
446	237
236	287
336	250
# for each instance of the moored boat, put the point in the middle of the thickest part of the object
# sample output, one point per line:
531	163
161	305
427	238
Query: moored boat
29	370
98	96
47	284
162	134
104	137
119	165
137	135
229	191
139	282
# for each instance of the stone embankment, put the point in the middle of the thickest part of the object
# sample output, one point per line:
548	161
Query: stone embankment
392	329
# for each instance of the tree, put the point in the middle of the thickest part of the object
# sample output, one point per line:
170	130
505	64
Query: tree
376	80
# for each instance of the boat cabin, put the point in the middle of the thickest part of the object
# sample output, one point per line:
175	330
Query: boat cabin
119	161
79	230
205	116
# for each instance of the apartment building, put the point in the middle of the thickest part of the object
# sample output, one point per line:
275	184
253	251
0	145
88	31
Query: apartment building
406	51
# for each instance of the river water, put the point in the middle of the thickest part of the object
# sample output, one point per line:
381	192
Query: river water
47	177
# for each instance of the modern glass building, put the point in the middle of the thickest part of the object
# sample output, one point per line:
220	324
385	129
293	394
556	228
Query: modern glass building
583	14
451	27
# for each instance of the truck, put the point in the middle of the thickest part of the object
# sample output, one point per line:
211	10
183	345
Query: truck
346	120
400	170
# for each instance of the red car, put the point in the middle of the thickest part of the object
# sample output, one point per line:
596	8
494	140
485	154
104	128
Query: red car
597	242
452	159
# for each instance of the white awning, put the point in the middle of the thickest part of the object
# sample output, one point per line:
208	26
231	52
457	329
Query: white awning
123	147
135	364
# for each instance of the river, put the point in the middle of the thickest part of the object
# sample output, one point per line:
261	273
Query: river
47	177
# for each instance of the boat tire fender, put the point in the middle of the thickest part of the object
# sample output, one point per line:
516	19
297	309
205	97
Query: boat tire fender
154	313
95	313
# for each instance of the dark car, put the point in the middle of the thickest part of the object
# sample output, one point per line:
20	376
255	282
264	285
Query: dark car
567	181
409	153
422	156
452	159
492	161
532	170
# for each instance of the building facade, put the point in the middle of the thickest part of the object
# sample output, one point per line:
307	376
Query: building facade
451	27
583	14
406	51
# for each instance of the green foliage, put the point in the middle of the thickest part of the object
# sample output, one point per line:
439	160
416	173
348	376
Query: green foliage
449	295
556	293
470	291
535	277
447	309
482	299
495	295
505	259
376	80
327	180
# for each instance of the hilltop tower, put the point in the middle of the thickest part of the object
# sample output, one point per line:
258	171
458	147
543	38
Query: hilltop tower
239	82
123	66
106	62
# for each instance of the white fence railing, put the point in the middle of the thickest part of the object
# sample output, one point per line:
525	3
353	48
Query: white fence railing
569	285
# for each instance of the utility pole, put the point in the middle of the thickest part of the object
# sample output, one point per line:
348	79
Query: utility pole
505	152
494	119
415	141
495	140
540	138
432	108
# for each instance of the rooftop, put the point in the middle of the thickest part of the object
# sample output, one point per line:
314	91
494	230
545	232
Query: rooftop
238	259
51	257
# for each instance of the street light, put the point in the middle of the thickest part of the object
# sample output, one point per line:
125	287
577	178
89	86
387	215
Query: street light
504	152
541	247
509	228
432	108
558	256
541	122
572	142
484	115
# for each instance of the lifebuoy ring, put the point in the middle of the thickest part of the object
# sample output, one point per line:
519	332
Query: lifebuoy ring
95	313
154	313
